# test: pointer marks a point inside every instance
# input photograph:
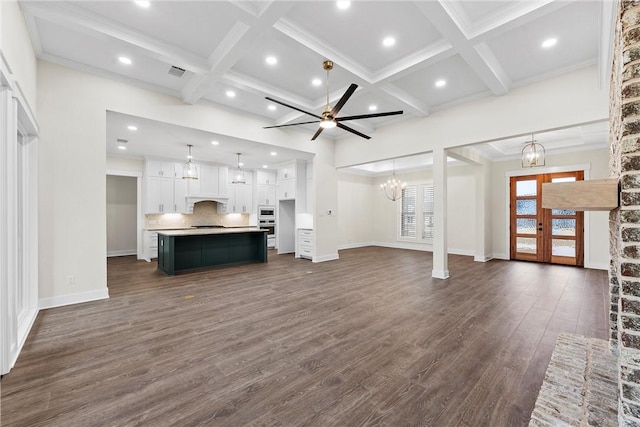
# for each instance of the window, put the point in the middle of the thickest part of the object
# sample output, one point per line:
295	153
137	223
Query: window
408	214
416	212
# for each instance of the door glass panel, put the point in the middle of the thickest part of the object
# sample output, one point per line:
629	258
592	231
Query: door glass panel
526	245
564	179
563	227
562	212
526	226
563	247
526	207
526	188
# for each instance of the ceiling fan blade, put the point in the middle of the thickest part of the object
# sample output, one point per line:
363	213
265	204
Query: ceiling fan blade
317	134
292	107
348	129
368	116
344	99
290	124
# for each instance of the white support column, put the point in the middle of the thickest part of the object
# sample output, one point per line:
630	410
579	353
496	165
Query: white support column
440	262
483	223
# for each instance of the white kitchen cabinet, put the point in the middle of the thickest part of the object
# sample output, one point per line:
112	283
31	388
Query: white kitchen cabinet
266	194
180	195
265	178
240	196
287	171
287	189
208	182
150	241
305	243
160	195
161	169
165	195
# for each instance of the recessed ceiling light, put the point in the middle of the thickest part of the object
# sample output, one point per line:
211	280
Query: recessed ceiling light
273	153
373	107
124	60
132	128
121	147
388	41
549	42
265	166
215	143
441	83
231	94
143	3
343	4
272	108
271	60
316	82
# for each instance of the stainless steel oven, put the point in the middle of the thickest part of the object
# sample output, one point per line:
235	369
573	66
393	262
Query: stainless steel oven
266	212
267	220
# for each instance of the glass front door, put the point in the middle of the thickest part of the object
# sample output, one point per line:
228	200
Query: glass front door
544	235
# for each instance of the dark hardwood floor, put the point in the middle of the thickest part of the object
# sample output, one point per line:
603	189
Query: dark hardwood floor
369	339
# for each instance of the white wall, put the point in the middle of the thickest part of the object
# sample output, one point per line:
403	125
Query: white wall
598	224
367	217
125	164
122	197
72	107
356	216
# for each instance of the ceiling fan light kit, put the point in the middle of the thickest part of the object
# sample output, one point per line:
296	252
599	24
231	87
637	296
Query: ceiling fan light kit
329	118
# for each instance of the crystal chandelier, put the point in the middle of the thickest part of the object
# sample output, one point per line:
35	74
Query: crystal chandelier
392	189
533	154
238	175
190	169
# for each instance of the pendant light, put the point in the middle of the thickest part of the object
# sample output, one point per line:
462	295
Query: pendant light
238	175
190	169
533	154
392	189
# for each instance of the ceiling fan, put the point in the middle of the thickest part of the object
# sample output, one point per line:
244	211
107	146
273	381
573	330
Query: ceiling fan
328	118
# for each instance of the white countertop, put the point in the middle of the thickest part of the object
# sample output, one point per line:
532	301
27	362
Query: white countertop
207	231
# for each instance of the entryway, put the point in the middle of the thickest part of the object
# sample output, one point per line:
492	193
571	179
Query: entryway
544	235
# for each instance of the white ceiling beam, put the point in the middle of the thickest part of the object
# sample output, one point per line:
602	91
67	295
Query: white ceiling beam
235	45
488	70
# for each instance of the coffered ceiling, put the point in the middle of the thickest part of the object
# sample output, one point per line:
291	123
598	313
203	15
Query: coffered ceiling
444	52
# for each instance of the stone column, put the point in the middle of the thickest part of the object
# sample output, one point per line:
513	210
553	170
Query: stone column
624	277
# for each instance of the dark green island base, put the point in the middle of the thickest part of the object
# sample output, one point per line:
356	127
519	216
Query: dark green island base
183	250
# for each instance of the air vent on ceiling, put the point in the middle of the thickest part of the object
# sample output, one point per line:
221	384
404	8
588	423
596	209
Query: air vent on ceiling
176	71
122	141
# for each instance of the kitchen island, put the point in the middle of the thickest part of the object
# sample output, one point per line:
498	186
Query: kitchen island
190	249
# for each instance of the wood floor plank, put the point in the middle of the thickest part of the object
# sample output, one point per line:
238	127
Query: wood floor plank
369	339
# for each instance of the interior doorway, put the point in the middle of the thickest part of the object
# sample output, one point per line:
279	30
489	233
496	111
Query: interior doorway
544	235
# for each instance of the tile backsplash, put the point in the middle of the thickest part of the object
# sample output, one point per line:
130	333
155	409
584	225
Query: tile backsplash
204	213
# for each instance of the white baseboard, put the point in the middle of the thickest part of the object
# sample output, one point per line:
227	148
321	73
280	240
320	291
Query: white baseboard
324	258
502	256
23	334
597	266
355	245
440	274
486	258
123	252
69	299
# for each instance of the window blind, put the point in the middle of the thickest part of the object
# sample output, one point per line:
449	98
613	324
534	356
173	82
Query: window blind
427	212
408	213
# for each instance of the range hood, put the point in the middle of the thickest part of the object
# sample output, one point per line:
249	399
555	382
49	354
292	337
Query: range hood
192	200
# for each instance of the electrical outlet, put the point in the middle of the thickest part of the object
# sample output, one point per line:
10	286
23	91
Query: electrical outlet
71	280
